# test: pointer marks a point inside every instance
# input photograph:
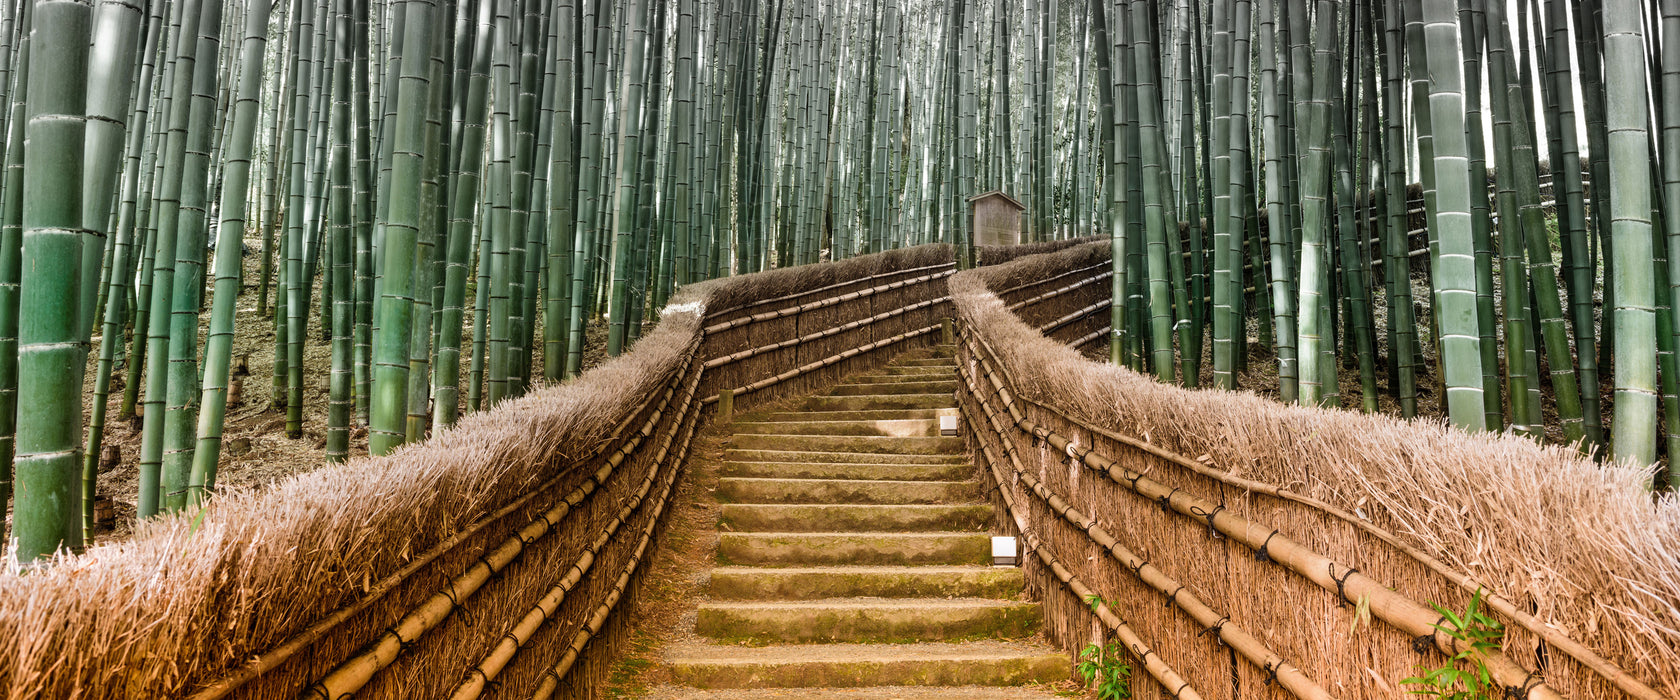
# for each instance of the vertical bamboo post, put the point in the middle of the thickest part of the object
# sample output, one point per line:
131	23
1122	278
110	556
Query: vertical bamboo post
726	405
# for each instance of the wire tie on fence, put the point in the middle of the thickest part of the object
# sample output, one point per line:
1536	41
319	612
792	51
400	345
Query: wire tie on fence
1217	628
1530	682
1341	583
1261	554
1166	501
1271	671
1135	569
1173	597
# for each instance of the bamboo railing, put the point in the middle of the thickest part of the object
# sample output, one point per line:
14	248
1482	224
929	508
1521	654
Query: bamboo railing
1197	567
497	559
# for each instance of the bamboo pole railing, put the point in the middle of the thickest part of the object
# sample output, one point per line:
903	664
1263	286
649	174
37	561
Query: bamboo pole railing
1220	626
1575	650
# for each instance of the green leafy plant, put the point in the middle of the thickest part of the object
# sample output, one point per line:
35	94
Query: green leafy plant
1104	665
1478	635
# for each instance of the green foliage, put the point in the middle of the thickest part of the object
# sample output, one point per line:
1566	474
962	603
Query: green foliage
1104	666
1478	635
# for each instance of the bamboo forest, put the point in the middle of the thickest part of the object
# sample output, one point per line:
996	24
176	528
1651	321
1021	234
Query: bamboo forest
1354	204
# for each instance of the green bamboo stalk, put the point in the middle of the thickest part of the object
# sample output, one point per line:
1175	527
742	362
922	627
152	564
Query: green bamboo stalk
464	203
390	374
49	420
1635	427
236	173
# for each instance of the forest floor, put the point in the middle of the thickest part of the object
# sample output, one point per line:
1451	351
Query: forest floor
255	449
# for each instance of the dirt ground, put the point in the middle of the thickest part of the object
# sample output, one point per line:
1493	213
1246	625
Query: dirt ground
255	449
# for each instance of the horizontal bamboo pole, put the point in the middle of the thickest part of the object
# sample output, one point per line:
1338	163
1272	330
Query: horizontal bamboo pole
1153	664
553	677
1103	265
509	644
355	672
829	288
791	342
1059	291
1091	337
1554	637
832	359
274	657
1393	608
1075	315
1254	651
823	303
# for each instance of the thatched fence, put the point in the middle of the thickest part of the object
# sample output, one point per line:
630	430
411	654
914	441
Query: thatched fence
495	559
1244	548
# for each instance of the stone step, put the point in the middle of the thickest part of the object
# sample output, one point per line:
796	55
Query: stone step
945	386
739	454
817	424
863	665
968	692
845	491
900	414
853	548
927	362
955	471
866	444
867	620
779	517
939	374
902	370
752	583
880	402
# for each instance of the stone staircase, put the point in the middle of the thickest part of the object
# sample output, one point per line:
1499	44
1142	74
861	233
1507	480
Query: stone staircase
853	554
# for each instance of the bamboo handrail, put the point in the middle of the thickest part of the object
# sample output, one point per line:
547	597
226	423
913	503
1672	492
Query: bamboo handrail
831	359
1041	282
1157	667
762	302
791	342
1029	301
1227	632
1623	681
350	675
508	645
1393	608
552	677
822	303
271	659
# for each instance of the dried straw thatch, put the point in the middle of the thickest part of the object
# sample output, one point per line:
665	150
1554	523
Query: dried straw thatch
1577	549
265	593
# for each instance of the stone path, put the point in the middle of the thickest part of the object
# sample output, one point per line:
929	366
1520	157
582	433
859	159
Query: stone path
853	557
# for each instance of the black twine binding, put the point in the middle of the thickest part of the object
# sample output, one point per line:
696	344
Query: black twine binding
1181	687
1173	598
1271	671
1341	583
1261	555
1135	569
1198	512
1166	501
1217	628
1134	479
1530	682
1424	642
